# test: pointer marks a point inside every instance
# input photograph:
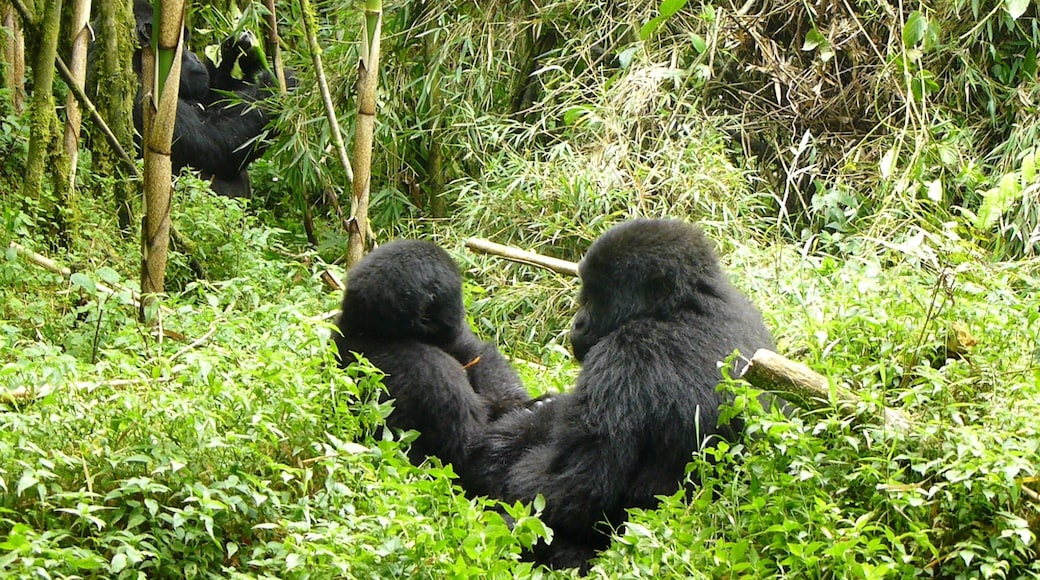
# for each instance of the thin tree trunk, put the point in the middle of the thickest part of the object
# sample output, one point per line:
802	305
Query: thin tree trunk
310	25
44	121
78	66
434	159
273	46
161	64
116	45
368	77
14	57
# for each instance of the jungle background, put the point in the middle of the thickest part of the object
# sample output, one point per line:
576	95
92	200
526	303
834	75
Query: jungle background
867	168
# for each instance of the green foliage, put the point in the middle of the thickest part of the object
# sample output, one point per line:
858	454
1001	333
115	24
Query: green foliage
241	450
820	495
229	445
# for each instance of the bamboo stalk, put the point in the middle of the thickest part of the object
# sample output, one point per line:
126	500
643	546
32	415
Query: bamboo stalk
523	256
368	81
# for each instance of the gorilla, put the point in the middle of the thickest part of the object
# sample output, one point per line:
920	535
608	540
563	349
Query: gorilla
243	50
220	121
656	316
403	311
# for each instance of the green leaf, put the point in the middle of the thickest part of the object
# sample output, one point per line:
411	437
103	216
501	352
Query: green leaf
625	56
83	281
27	480
1028	168
108	275
648	29
916	26
293	560
935	190
118	563
888	163
698	43
996	201
1016	8
574	115
813	39
668	8
1029	63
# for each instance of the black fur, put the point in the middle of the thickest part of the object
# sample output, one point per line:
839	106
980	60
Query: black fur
403	311
657	314
220	121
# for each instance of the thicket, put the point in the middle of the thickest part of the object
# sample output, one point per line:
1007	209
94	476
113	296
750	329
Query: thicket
867	168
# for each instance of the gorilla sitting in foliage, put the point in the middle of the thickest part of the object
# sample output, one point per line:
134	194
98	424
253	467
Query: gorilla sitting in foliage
403	311
657	315
220	121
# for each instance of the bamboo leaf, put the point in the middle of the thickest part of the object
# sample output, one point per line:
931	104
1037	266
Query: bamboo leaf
667	9
1016	8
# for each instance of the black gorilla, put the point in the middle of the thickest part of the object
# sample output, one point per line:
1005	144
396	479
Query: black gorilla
240	105
657	314
240	49
403	311
220	125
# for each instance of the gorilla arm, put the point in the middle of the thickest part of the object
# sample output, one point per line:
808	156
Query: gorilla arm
490	374
591	444
431	395
624	434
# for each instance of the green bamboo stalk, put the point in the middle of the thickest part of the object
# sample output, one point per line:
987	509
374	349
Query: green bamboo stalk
161	65
368	77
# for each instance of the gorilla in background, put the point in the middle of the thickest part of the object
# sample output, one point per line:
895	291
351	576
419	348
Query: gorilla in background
220	125
244	98
657	314
403	311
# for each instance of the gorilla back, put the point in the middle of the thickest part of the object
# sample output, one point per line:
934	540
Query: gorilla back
656	316
403	311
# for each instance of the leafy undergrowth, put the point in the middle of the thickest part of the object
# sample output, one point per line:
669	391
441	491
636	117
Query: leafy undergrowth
233	447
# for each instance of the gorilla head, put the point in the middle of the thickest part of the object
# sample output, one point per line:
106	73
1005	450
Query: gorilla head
647	269
407	289
657	314
403	311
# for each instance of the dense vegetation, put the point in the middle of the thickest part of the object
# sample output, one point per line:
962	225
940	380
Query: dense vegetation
868	170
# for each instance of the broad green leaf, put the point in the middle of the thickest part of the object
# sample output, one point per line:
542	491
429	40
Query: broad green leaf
574	114
996	201
83	281
27	480
108	275
1028	168
1016	8
888	163
813	39
625	57
648	29
913	31
935	190
948	155
698	43
118	562
668	9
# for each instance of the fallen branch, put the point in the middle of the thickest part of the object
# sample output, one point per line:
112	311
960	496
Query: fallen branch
49	264
16	396
523	256
23	395
810	390
332	281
